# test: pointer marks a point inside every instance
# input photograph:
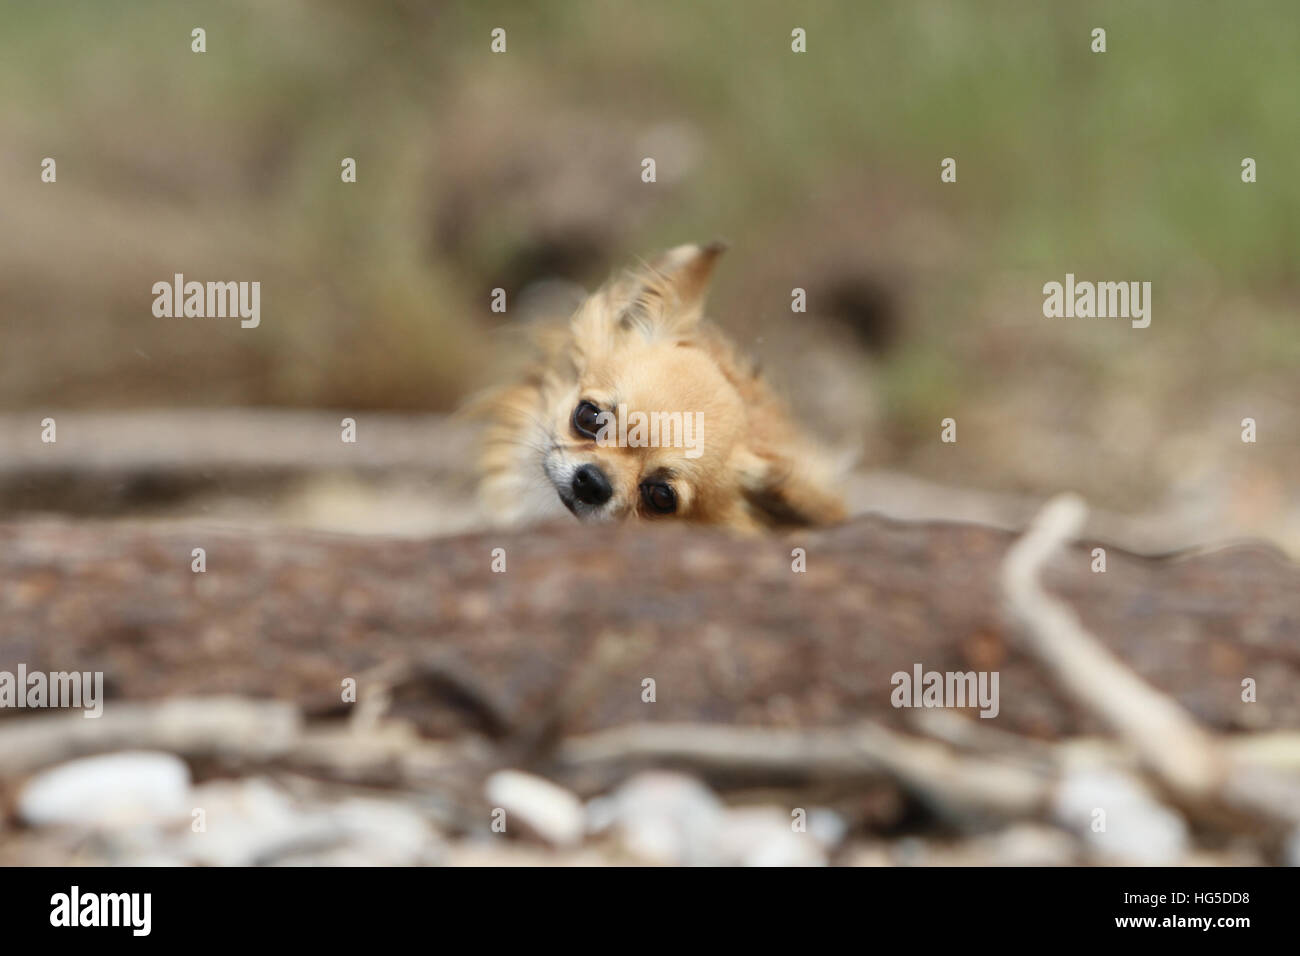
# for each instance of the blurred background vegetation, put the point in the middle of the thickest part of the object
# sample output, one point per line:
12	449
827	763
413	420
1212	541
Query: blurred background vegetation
478	170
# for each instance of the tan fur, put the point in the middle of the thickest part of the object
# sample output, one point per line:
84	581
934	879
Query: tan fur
641	341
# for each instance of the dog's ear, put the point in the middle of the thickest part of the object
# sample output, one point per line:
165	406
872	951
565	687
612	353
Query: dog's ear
779	492
661	299
681	278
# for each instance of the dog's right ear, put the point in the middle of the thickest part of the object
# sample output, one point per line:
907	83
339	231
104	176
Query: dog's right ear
660	300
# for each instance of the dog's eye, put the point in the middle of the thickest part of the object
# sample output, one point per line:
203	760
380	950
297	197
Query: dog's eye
586	419
659	498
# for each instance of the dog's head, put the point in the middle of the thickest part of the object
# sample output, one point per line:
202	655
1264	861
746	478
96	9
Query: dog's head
643	412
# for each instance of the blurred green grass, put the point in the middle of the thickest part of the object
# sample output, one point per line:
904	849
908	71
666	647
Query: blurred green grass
1123	165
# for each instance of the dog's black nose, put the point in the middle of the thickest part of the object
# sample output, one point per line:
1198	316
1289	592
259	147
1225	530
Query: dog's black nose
590	486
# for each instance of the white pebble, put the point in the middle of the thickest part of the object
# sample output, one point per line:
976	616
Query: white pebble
118	789
551	812
662	818
763	836
1138	828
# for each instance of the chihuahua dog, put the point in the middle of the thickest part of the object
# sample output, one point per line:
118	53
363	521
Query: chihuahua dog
639	409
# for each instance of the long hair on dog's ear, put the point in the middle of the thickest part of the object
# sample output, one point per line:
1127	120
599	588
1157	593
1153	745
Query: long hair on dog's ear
662	299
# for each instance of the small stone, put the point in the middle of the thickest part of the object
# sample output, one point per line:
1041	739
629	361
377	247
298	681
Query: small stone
763	836
662	818
245	822
549	811
1139	830
110	790
827	827
253	822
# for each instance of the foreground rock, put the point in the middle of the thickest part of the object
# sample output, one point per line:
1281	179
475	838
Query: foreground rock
565	639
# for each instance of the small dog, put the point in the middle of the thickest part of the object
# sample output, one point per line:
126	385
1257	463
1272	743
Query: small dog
639	409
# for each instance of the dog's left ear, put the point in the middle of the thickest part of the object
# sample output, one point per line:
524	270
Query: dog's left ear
682	275
778	492
665	297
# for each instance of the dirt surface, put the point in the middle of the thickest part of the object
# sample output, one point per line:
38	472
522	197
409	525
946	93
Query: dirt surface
726	629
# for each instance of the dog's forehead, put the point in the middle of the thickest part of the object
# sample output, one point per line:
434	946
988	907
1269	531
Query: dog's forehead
667	377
